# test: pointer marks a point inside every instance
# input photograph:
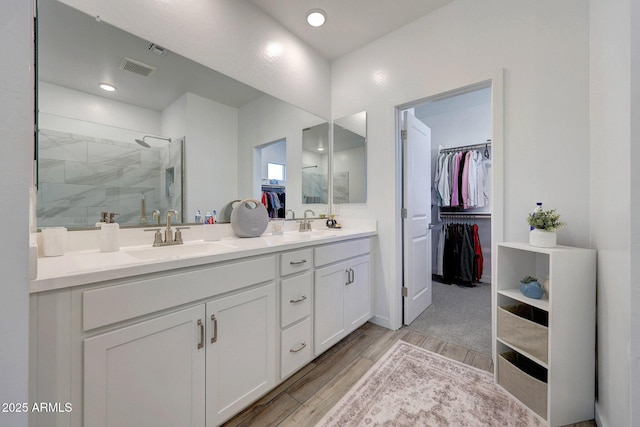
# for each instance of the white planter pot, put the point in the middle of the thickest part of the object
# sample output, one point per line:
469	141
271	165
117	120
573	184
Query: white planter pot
542	238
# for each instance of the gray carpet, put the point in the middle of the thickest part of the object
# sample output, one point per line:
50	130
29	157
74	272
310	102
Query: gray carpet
460	315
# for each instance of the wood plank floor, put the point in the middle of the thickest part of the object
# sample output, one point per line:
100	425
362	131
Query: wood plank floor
306	396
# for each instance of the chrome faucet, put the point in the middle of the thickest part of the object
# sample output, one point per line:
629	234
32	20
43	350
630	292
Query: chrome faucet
305	224
293	214
168	233
169	238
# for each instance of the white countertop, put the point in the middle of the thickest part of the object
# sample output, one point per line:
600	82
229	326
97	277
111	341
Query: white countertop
87	266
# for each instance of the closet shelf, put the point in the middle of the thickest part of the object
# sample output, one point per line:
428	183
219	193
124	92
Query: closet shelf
542	303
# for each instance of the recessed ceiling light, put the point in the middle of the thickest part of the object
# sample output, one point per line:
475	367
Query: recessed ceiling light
316	17
107	87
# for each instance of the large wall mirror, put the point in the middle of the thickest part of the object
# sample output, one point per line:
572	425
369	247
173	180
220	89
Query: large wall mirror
173	135
349	160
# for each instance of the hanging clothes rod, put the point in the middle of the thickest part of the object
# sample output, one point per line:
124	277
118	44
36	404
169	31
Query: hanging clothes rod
466	147
468	215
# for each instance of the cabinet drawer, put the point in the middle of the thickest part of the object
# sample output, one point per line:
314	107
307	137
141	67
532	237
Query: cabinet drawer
339	251
295	348
295	298
104	306
293	262
516	328
525	380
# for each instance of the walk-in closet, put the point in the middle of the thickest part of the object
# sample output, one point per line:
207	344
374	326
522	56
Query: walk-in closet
461	156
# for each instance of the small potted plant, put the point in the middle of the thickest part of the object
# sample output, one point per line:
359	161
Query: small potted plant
544	223
530	287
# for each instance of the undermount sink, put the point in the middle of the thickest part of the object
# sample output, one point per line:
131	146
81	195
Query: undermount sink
178	251
317	233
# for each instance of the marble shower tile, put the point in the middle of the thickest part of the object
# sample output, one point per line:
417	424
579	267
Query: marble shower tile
133	177
65	216
61	146
50	170
70	195
341	187
131	196
150	159
93	174
113	155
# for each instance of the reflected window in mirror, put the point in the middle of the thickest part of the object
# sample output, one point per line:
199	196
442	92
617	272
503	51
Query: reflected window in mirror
275	172
349	161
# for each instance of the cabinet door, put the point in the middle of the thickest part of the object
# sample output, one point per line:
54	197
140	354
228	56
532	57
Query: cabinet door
148	374
329	320
358	293
241	351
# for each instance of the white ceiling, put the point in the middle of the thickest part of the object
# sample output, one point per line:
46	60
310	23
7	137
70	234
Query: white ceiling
350	23
77	52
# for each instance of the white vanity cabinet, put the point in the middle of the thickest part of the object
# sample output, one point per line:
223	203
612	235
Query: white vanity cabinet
155	372
149	373
189	348
193	345
342	291
296	292
240	351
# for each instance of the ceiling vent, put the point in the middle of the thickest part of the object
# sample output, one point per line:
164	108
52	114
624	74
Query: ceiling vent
137	67
157	49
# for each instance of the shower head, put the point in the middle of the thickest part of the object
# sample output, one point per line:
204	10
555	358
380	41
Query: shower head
146	145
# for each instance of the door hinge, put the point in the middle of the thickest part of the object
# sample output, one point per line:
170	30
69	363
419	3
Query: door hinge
403	134
405	291
403	213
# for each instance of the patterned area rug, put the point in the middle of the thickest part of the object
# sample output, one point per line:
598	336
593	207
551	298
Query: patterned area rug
411	386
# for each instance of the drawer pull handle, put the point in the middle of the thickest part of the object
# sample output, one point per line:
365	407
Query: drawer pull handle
302	298
300	347
201	326
214	337
350	276
297	262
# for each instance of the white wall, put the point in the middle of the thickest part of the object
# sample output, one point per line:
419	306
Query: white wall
57	103
611	207
211	153
546	113
16	152
634	401
231	37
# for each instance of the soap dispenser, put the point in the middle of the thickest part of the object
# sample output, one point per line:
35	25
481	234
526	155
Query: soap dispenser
109	232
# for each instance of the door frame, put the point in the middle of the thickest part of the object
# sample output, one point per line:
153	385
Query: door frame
496	82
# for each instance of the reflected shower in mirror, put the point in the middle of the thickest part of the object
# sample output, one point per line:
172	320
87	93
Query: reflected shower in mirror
81	176
159	93
349	161
315	164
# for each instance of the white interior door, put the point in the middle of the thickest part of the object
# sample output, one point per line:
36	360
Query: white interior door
416	225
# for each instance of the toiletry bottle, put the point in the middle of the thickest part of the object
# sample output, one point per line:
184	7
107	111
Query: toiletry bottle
213	217
536	210
208	218
198	216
